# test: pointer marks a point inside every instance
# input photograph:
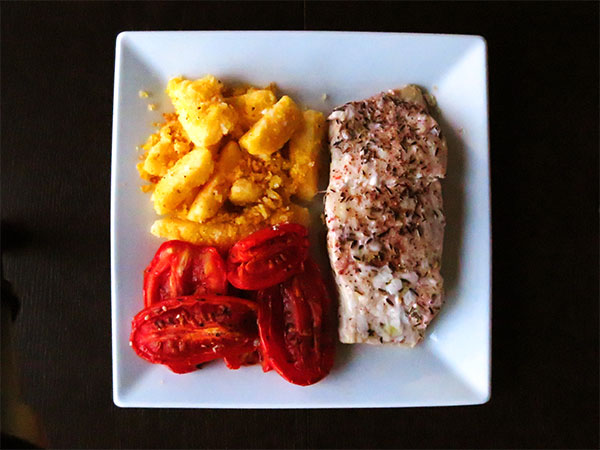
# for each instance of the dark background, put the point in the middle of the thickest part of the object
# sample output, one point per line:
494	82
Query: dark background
57	85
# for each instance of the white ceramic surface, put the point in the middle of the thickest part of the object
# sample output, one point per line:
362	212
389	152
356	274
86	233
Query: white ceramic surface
452	366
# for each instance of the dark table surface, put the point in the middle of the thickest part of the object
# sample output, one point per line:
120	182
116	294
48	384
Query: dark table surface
57	85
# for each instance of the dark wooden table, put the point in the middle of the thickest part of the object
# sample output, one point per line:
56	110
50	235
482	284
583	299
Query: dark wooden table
57	85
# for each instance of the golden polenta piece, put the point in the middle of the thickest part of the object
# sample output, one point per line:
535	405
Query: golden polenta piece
214	193
143	174
201	110
184	207
226	229
199	91
160	156
240	89
305	146
191	171
251	106
274	128
214	233
166	146
244	191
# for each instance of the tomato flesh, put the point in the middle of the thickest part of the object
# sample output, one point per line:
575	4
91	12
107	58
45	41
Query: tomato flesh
297	327
248	358
179	268
267	257
186	331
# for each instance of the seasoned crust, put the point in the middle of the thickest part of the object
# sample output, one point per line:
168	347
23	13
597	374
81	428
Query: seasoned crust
384	215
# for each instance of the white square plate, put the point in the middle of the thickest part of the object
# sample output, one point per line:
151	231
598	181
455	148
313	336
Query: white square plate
452	365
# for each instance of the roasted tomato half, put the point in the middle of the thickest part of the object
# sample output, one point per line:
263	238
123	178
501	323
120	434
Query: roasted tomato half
179	268
267	257
243	359
186	331
296	324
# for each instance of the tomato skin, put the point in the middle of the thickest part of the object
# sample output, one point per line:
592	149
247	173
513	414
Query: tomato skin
186	331
180	268
296	324
267	257
247	358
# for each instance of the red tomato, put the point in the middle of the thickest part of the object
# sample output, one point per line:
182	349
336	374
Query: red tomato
186	331
242	359
267	257
296	325
179	268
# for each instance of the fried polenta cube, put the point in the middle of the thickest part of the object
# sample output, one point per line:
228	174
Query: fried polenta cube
273	129
165	147
262	180
305	146
244	191
183	208
251	105
222	234
226	229
189	172
214	193
201	110
239	89
202	90
160	156
145	175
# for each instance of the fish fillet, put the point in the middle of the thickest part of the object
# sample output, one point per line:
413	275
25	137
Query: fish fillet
384	216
